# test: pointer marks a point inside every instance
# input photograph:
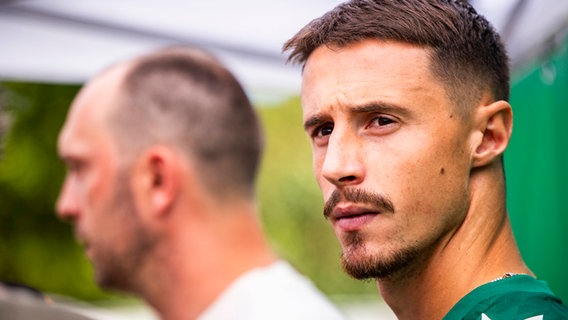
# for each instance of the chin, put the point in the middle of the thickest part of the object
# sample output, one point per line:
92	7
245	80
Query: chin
362	263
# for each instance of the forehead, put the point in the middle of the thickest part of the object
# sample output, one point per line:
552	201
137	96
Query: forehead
369	71
86	120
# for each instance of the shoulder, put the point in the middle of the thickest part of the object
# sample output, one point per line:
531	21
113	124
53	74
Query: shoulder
519	297
521	305
277	291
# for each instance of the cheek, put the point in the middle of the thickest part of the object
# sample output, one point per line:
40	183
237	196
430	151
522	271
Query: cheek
434	187
318	157
317	163
92	188
422	174
96	187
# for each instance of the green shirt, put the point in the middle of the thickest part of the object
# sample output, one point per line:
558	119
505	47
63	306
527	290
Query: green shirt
519	297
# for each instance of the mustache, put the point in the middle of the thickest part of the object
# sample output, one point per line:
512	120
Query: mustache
357	196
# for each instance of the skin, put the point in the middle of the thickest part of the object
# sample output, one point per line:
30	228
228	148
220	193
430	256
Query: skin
381	123
148	224
91	193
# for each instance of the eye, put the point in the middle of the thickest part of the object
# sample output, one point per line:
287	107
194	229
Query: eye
324	130
74	166
383	124
320	135
383	121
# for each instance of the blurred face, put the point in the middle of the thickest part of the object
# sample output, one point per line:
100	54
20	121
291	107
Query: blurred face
96	195
390	154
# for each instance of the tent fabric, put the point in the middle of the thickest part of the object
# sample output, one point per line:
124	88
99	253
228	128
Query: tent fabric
66	41
536	168
69	41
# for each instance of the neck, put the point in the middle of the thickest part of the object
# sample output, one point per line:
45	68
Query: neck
480	250
202	256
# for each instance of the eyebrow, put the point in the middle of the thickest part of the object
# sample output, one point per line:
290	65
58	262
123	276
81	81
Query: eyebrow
370	107
314	121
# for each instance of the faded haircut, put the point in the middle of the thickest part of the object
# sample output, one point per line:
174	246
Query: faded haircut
185	98
467	54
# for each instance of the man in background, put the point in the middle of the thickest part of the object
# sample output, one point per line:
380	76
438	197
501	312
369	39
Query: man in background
162	153
406	105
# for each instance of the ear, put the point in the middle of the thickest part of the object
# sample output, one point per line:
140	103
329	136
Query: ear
495	121
158	179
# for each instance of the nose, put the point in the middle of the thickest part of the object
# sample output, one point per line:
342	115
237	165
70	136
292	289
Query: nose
67	205
342	165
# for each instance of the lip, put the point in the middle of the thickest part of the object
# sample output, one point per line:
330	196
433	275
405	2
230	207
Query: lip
351	218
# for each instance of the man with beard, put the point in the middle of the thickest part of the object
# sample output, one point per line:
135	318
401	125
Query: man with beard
162	153
405	103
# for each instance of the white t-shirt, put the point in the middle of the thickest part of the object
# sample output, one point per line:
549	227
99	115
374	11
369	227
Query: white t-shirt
274	292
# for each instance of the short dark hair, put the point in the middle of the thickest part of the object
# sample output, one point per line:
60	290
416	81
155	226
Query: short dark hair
185	98
466	52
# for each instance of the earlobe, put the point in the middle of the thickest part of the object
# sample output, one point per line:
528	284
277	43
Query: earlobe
495	121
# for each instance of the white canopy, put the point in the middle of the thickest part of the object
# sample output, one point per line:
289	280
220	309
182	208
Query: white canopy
69	41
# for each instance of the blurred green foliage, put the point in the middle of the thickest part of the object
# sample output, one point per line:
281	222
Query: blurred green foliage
35	248
39	250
